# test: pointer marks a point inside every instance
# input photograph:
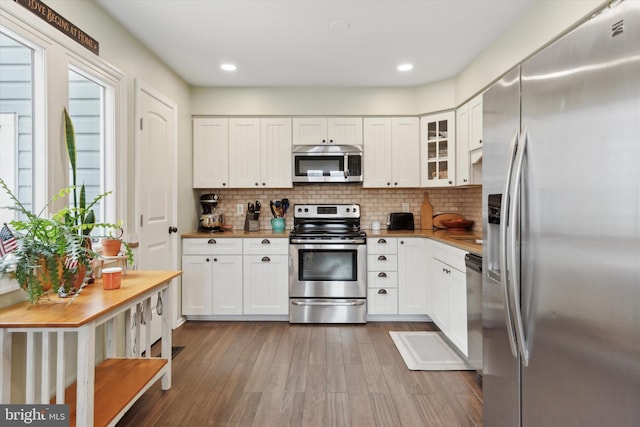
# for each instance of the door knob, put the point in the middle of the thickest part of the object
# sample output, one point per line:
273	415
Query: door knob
173	229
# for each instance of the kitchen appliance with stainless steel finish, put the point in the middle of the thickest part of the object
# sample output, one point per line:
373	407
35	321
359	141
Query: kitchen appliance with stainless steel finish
327	270
211	218
561	202
327	163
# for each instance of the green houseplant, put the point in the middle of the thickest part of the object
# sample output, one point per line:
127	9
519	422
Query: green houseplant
55	252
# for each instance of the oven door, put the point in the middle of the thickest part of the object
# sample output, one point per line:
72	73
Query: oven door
328	270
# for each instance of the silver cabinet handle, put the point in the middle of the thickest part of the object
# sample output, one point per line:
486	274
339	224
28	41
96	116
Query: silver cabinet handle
382	292
266	242
382	241
382	258
212	241
382	274
266	259
504	220
514	219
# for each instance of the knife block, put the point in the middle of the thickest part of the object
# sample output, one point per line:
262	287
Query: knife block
252	222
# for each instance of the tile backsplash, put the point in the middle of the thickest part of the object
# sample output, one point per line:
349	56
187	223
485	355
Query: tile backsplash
375	203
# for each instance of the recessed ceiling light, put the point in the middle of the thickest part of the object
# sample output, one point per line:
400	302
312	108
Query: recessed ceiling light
405	67
228	67
339	25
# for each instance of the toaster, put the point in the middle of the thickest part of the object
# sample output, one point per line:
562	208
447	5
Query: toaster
400	221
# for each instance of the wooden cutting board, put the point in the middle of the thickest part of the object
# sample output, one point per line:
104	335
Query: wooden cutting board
437	219
426	214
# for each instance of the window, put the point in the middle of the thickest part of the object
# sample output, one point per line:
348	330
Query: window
16	122
86	108
19	85
41	72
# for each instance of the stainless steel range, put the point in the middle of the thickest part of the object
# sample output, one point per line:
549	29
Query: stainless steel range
328	272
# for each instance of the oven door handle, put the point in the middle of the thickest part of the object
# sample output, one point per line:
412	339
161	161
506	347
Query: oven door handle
328	303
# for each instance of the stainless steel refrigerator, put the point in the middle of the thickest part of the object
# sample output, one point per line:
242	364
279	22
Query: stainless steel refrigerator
561	213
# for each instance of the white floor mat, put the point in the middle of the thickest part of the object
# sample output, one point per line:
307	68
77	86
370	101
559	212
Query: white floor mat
427	351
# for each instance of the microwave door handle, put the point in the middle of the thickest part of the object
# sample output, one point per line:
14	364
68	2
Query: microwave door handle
346	166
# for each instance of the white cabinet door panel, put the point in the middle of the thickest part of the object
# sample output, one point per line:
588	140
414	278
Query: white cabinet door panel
210	152
266	288
196	285
227	284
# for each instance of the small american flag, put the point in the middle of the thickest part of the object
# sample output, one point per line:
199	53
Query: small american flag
8	242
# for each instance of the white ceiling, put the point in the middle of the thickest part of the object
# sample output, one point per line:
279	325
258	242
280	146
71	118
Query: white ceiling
291	42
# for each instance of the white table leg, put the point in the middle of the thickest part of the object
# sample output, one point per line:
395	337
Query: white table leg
5	366
166	336
86	375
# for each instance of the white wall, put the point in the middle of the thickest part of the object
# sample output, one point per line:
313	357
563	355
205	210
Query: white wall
543	23
302	101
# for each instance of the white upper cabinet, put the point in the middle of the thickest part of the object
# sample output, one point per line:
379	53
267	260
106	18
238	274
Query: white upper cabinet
469	143
475	123
391	152
210	152
438	150
275	152
260	152
331	130
462	145
244	153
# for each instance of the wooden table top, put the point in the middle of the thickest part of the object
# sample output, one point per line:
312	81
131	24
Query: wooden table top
90	304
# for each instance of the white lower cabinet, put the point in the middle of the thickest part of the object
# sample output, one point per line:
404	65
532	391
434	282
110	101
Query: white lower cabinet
266	276
413	286
448	278
197	288
212	277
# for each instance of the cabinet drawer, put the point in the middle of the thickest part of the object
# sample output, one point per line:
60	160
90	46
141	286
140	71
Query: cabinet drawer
382	301
382	245
449	255
382	262
277	246
378	279
212	246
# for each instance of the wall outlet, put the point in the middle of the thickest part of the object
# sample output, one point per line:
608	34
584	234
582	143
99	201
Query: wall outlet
405	207
239	208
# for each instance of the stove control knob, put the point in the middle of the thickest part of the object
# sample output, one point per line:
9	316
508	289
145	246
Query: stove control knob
299	209
306	209
348	210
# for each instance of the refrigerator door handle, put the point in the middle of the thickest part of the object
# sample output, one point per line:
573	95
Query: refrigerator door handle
504	215
514	217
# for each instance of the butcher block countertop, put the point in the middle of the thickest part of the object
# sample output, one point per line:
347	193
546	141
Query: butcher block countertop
464	240
90	304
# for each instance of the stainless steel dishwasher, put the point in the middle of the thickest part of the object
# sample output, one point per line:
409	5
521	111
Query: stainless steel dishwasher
474	310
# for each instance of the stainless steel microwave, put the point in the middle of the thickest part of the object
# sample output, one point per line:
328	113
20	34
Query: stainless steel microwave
327	163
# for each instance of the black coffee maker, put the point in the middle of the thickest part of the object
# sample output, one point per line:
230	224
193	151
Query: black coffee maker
211	218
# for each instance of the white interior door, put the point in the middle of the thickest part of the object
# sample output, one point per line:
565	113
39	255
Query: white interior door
156	191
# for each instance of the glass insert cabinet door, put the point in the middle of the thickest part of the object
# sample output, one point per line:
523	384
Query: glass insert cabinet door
438	150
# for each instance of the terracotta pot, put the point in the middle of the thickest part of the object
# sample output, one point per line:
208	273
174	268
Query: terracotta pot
44	276
79	277
111	247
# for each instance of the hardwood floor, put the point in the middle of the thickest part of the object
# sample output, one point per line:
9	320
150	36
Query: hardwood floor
277	374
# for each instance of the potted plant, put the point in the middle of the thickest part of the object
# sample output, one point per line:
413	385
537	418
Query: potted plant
55	252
